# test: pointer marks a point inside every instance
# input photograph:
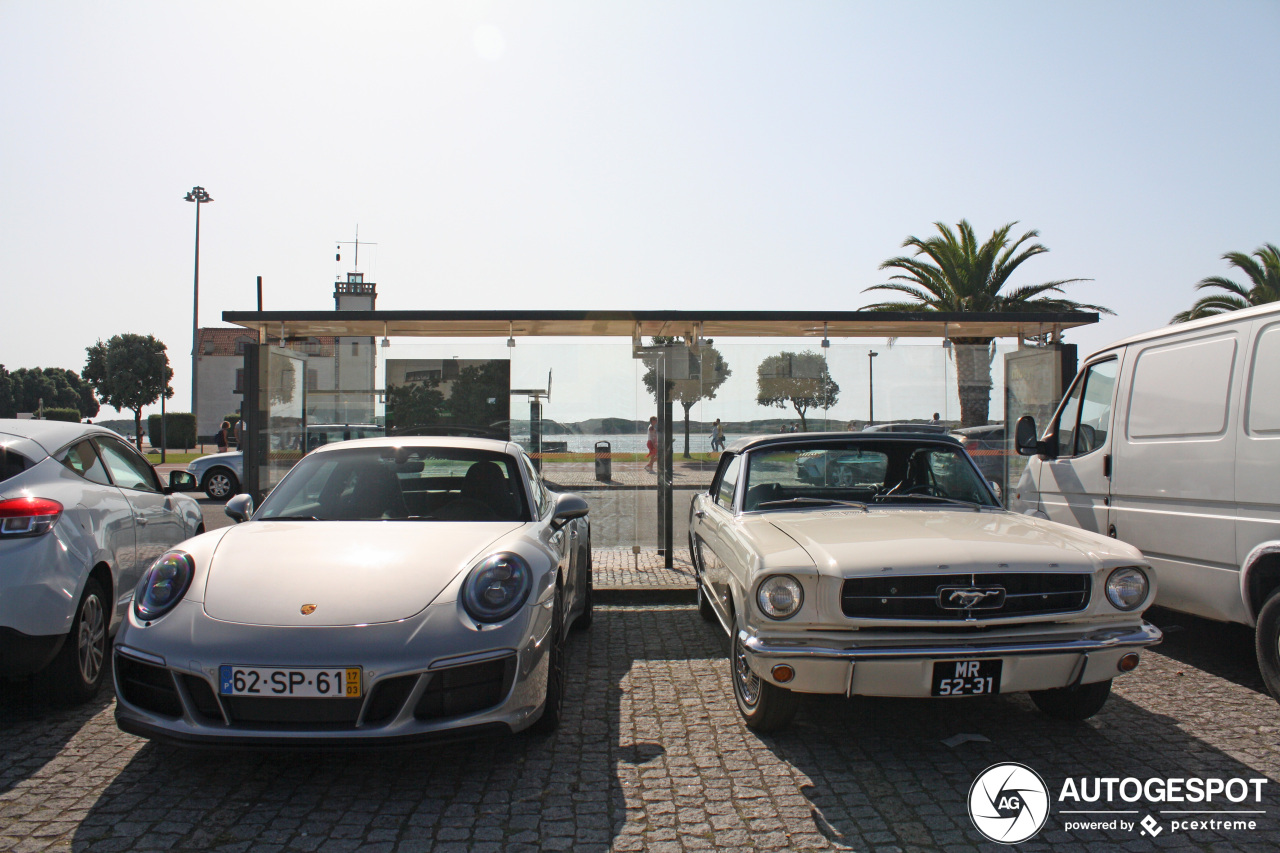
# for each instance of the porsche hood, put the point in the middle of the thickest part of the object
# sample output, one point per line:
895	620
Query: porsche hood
270	572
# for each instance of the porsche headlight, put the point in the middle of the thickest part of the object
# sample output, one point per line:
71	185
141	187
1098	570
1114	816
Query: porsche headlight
163	585
497	587
780	596
1127	588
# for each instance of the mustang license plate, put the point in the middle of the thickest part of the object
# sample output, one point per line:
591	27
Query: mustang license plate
337	682
966	677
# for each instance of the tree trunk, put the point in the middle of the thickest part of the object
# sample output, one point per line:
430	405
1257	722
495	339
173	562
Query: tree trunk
687	407
973	379
137	428
804	424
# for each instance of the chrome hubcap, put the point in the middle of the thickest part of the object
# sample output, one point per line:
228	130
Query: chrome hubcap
90	641
748	682
219	484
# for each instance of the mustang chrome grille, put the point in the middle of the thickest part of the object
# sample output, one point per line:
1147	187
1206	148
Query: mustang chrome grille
993	595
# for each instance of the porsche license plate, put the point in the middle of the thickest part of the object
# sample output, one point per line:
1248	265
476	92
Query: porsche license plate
966	677
339	682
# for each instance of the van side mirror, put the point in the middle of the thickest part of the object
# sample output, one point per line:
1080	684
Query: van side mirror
239	508
1025	441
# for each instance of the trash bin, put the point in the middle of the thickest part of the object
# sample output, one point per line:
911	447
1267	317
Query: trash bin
604	461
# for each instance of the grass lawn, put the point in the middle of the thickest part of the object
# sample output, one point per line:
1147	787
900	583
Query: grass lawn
173	457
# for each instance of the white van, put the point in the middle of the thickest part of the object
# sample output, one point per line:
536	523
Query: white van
1171	441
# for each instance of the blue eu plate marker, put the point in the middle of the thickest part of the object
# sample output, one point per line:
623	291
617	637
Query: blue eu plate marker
224	673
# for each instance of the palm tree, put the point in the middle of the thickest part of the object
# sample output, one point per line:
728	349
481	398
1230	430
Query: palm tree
965	277
1264	273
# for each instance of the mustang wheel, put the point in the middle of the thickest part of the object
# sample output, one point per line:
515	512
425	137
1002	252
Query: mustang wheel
765	707
220	483
1073	703
76	673
552	709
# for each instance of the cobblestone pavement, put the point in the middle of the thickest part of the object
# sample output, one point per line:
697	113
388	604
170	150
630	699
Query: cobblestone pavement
652	756
619	568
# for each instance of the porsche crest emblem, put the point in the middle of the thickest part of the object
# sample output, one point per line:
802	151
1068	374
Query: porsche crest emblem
308	609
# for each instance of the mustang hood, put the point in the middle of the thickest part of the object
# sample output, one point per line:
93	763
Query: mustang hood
962	541
354	572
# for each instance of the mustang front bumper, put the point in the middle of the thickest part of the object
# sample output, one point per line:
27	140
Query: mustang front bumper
905	668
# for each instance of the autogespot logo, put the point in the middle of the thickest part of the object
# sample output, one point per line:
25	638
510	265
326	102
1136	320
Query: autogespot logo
1008	803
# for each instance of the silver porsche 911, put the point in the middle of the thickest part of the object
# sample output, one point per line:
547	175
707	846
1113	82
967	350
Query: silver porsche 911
387	590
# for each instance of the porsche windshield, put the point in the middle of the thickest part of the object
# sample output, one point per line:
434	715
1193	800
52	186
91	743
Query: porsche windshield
400	484
864	471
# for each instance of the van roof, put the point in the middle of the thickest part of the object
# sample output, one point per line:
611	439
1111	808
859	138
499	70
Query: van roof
1246	314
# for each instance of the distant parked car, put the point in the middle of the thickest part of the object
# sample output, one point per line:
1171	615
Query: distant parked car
909	581
921	429
220	475
987	445
82	516
387	590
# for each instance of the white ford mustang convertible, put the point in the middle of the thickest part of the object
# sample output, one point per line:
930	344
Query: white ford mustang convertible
881	564
387	590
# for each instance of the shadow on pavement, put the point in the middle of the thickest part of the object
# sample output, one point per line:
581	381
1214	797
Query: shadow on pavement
1223	649
652	755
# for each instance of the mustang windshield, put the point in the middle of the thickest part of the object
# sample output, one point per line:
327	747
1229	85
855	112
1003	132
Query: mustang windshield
861	470
400	483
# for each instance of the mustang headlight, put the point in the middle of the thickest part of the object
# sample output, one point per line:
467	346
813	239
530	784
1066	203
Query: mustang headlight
163	585
780	596
497	587
1127	588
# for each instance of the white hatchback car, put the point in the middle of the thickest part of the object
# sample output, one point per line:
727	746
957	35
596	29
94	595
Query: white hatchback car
82	515
905	577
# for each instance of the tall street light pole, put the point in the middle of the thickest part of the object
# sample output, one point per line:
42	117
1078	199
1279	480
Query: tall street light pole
871	386
199	196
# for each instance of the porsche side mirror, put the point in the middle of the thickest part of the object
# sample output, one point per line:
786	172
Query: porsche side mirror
568	507
239	508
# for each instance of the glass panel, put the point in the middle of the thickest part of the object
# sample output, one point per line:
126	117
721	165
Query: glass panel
285	393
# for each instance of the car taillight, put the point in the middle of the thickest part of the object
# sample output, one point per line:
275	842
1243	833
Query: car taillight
28	516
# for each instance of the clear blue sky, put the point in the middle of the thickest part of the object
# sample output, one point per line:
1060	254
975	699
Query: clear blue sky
614	155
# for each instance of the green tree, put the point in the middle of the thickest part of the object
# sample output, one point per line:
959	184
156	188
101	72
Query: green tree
129	372
419	404
953	273
800	379
481	395
1264	276
25	388
707	365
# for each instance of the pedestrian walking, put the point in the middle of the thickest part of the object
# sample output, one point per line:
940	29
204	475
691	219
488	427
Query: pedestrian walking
224	433
717	436
652	445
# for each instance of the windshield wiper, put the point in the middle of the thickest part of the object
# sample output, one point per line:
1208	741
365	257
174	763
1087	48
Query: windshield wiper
919	497
812	502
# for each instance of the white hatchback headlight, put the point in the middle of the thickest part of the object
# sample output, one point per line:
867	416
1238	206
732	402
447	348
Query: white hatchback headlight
1127	588
780	596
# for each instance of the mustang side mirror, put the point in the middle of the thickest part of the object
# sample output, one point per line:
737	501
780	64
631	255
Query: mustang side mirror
239	508
1025	441
568	507
181	481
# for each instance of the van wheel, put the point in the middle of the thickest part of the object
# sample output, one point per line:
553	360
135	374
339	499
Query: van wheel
1073	703
1267	642
76	673
764	707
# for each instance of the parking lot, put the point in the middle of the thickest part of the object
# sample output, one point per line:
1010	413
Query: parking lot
653	756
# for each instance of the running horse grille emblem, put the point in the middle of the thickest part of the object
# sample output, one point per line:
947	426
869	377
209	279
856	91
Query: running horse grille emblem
308	609
971	597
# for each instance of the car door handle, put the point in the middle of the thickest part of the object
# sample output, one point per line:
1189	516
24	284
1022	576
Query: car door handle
699	513
142	519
